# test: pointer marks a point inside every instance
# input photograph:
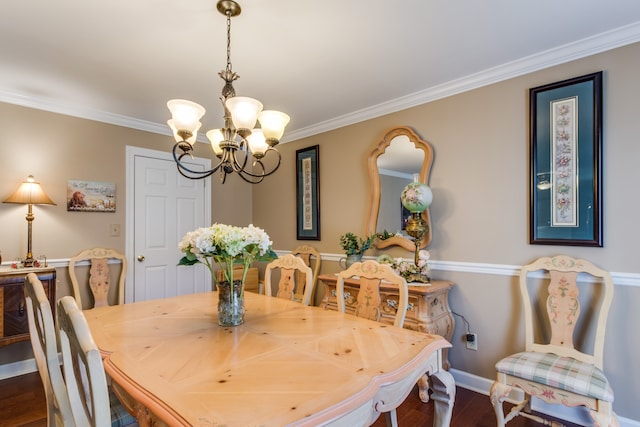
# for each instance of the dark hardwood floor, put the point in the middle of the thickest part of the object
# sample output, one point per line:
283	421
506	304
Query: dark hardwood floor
22	404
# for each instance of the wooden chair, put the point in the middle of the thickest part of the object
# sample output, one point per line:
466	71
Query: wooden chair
369	303
45	350
312	258
99	276
91	402
554	369
288	265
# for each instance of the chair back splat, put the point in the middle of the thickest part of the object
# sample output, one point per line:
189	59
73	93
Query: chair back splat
558	369
312	258
99	277
288	265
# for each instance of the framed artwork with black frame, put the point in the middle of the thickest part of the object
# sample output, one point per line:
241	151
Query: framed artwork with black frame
566	162
308	193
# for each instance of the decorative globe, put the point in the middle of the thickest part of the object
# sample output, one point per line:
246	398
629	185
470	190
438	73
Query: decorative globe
416	196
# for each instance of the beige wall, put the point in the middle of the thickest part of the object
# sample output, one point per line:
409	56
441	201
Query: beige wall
56	148
479	214
480	209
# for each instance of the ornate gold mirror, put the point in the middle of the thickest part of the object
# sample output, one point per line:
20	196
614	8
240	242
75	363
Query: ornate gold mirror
392	163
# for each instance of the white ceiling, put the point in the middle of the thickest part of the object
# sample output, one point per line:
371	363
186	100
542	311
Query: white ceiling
326	63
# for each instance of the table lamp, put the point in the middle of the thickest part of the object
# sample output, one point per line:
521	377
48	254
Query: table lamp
29	193
416	197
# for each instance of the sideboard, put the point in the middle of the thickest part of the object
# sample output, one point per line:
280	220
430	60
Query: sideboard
13	320
428	310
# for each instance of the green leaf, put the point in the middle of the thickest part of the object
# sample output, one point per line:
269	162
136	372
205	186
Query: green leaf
270	255
188	260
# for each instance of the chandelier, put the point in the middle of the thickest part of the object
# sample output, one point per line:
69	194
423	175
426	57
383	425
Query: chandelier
237	141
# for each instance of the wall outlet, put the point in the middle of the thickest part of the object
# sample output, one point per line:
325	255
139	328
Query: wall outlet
472	341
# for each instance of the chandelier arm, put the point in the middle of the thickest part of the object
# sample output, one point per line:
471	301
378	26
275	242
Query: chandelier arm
184	169
248	179
259	162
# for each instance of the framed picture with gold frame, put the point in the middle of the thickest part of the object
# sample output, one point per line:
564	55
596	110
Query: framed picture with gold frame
566	162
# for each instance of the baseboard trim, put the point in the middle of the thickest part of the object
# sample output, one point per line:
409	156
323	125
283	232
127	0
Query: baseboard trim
576	415
18	368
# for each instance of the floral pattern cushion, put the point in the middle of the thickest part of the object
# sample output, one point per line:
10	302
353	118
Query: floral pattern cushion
565	373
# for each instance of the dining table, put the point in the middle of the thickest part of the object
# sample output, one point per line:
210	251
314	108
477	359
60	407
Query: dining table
170	363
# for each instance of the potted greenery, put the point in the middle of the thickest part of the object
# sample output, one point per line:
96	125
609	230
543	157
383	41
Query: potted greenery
354	247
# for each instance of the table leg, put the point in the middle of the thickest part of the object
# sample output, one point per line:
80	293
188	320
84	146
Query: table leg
443	389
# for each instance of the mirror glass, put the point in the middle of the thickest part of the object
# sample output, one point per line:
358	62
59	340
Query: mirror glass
392	164
396	167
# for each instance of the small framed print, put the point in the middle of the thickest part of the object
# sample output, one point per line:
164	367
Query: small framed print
566	162
91	196
307	194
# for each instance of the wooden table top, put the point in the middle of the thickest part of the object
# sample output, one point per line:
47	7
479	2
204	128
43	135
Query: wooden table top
288	364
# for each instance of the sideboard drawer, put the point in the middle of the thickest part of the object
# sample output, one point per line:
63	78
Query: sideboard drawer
14	326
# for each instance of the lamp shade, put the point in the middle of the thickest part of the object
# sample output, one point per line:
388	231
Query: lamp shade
257	143
216	137
416	196
244	111
273	124
185	115
30	192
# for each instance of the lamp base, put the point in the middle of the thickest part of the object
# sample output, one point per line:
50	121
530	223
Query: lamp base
416	277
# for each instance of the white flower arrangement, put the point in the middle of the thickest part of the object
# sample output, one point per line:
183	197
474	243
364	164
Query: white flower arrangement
407	268
226	245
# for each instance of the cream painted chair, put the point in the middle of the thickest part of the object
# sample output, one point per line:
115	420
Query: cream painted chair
311	257
91	402
369	304
288	265
553	368
99	279
45	350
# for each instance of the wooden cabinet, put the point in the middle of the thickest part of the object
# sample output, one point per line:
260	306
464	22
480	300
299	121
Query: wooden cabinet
428	310
13	322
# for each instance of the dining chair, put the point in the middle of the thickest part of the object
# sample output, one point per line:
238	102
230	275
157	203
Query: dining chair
563	358
311	257
99	277
369	303
45	350
92	404
288	288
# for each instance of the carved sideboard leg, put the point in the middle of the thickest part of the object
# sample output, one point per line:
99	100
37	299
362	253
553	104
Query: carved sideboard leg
444	394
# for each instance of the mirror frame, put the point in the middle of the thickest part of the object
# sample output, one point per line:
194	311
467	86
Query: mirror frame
374	180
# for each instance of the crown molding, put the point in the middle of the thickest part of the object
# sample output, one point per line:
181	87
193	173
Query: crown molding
582	48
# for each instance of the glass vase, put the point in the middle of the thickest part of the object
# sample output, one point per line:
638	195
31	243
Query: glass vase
230	304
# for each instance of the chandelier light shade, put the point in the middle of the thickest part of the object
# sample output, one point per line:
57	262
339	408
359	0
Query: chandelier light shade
30	193
239	140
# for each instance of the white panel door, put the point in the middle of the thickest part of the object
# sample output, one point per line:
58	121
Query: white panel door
166	205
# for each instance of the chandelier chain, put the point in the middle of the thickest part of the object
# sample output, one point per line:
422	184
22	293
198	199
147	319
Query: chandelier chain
228	41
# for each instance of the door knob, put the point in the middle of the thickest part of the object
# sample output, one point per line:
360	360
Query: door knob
140	258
